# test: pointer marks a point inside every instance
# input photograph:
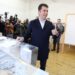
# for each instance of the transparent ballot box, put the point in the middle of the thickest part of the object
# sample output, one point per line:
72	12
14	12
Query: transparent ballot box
11	58
24	51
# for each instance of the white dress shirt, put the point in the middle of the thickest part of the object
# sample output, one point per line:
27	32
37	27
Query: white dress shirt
42	22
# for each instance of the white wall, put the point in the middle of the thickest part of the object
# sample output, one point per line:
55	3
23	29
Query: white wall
56	9
13	7
28	8
70	29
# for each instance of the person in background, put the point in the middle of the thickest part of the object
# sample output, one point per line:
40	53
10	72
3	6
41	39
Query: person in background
56	38
9	29
15	19
17	29
25	24
11	20
2	26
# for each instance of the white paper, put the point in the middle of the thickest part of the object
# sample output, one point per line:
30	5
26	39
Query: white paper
2	38
8	43
24	69
6	62
41	72
26	54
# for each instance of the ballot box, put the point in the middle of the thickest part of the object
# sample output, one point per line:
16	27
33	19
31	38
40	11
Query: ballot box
27	53
12	62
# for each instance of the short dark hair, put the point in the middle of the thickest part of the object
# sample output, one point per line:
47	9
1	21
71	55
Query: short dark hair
40	6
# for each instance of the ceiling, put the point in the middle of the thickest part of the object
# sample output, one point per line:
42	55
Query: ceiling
54	1
64	1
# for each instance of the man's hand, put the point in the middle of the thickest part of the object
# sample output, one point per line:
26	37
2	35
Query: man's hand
21	39
54	32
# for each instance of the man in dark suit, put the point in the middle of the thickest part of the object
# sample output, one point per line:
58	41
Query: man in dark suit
39	30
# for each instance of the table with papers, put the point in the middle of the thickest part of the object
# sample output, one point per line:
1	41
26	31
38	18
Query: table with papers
12	58
26	52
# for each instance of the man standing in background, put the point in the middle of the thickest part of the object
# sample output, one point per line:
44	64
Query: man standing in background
56	38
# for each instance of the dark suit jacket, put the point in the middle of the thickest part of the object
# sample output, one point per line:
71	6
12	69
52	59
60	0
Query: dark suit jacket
2	27
40	37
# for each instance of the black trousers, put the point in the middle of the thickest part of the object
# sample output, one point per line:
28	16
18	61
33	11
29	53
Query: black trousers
43	64
56	42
